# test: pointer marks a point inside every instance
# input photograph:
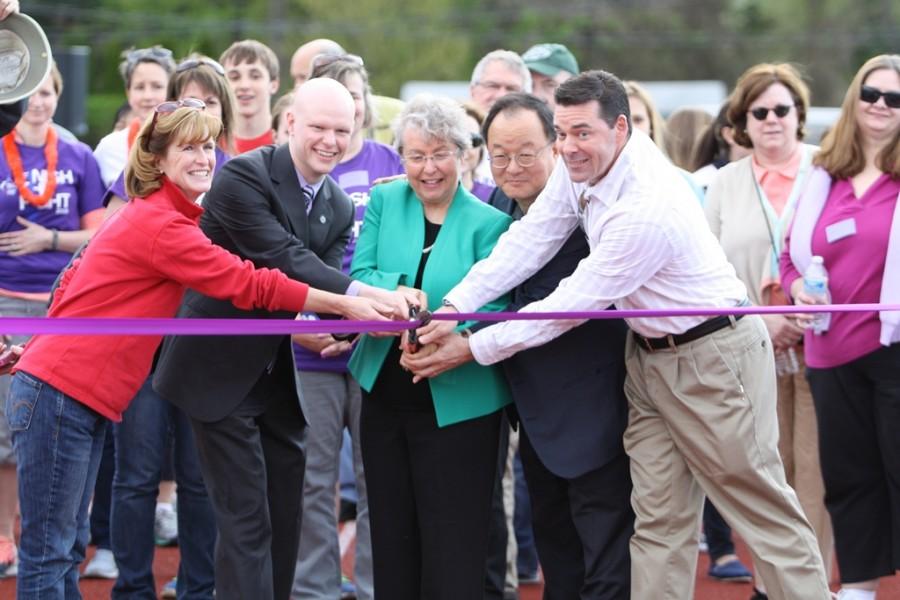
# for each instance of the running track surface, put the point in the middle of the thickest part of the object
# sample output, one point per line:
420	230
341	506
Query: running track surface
166	565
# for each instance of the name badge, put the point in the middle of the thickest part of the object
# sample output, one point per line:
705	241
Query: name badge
840	230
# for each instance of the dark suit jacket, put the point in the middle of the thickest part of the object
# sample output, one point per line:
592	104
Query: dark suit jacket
569	393
10	115
255	210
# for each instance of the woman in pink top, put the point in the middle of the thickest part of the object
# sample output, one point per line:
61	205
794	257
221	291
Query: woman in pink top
66	388
848	215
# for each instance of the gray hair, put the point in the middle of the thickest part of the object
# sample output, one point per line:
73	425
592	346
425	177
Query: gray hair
154	54
508	58
436	117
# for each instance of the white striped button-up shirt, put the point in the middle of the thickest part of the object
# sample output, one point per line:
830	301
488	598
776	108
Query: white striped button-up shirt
651	248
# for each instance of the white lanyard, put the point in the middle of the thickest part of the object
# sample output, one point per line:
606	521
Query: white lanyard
776	235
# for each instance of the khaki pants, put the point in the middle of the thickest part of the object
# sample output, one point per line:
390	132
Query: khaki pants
798	445
702	418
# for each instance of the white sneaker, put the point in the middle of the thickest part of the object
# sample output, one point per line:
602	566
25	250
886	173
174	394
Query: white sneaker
9	558
854	594
165	526
102	566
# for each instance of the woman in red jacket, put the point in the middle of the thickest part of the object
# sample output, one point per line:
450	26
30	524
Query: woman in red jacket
66	388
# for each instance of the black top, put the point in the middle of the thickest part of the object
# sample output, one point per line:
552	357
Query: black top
394	385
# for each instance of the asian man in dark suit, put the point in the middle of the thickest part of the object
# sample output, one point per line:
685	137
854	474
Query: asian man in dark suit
568	394
278	208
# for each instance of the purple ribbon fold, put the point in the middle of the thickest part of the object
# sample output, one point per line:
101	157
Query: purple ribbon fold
130	326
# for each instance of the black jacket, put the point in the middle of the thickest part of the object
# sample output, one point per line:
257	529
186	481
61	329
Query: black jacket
255	210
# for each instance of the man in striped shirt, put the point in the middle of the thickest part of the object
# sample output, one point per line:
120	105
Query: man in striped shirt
701	391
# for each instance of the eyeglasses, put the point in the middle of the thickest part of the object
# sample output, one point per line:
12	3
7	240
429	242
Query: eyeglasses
193	63
523	159
170	107
419	160
871	95
320	61
780	110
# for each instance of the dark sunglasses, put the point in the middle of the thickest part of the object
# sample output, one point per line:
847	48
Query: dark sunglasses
169	107
193	63
871	95
780	110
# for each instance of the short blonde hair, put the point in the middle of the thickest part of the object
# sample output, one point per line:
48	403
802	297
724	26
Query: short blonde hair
56	78
184	126
841	151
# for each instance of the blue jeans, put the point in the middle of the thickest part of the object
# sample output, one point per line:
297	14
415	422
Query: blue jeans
100	506
58	442
141	443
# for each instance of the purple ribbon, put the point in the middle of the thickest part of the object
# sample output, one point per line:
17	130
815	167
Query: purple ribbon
123	326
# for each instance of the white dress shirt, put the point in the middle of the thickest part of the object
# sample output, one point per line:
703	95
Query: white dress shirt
111	154
651	248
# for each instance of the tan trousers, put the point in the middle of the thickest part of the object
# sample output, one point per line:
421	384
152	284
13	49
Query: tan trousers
702	418
798	445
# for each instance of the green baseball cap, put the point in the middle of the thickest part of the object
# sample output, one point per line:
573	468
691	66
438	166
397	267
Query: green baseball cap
550	59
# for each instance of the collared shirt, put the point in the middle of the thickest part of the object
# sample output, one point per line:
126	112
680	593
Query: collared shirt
355	287
651	248
777	182
313	187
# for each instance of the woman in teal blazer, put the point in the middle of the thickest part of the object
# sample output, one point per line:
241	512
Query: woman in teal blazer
429	449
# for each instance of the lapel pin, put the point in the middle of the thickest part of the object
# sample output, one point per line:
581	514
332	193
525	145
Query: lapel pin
322	219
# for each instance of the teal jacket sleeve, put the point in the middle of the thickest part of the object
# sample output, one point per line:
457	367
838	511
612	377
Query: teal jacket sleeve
365	258
484	250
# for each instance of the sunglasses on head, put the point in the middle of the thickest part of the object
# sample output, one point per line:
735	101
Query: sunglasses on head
170	107
871	95
780	110
155	54
193	63
323	60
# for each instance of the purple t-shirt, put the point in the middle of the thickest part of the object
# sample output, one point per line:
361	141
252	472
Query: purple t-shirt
355	177
855	266
79	190
118	186
482	191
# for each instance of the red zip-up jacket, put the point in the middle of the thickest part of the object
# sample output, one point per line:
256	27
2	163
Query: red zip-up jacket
138	265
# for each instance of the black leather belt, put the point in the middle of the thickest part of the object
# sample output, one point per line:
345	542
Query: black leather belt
694	333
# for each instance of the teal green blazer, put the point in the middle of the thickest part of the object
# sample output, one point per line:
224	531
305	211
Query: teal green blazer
387	255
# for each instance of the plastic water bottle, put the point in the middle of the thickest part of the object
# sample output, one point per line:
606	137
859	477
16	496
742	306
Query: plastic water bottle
815	285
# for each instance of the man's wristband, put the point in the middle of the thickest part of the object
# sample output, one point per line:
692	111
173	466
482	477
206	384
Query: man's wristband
54	243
